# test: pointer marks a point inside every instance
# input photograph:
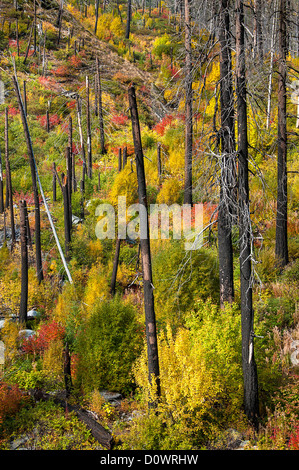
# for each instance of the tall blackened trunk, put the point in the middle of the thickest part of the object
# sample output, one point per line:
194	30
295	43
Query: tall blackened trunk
227	177
100	110
38	252
150	320
281	246
8	181
89	152
115	267
258	32
251	404
97	15
1	187
129	15
188	108
24	263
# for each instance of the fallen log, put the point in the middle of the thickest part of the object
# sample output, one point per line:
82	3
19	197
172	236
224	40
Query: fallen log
97	430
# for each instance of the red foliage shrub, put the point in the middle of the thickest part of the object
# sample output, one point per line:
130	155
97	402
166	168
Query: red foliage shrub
71	104
11	399
53	119
28	197
120	119
75	61
48	332
294	439
161	126
12	111
62	71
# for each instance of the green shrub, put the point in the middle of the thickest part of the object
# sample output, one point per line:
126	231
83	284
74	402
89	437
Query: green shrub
180	278
107	346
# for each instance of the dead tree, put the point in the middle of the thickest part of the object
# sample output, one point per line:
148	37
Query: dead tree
81	138
125	156
1	186
100	108
8	181
119	159
25	98
39	266
89	151
150	320
159	161
24	263
69	182
227	164
281	243
115	267
72	156
188	107
251	403
66	209
97	4
129	16
54	182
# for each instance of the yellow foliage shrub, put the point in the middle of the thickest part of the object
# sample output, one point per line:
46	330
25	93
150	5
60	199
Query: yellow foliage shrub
187	386
97	287
53	360
170	192
125	184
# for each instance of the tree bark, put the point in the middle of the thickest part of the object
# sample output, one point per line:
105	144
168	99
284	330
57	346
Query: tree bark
227	177
89	151
115	266
99	87
97	16
39	266
150	320
129	14
258	32
251	403
1	186
67	229
8	182
188	108
54	183
24	263
281	244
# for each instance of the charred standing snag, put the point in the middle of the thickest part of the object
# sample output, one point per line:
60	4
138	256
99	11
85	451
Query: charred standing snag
8	182
150	320
39	268
24	263
251	400
281	242
227	163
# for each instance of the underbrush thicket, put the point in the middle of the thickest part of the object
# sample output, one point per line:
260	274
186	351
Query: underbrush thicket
199	343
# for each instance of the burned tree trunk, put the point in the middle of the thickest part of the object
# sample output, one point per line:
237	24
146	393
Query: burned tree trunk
251	403
24	263
227	179
129	15
100	110
89	152
54	182
8	182
115	266
188	108
39	267
281	244
66	207
1	186
150	320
